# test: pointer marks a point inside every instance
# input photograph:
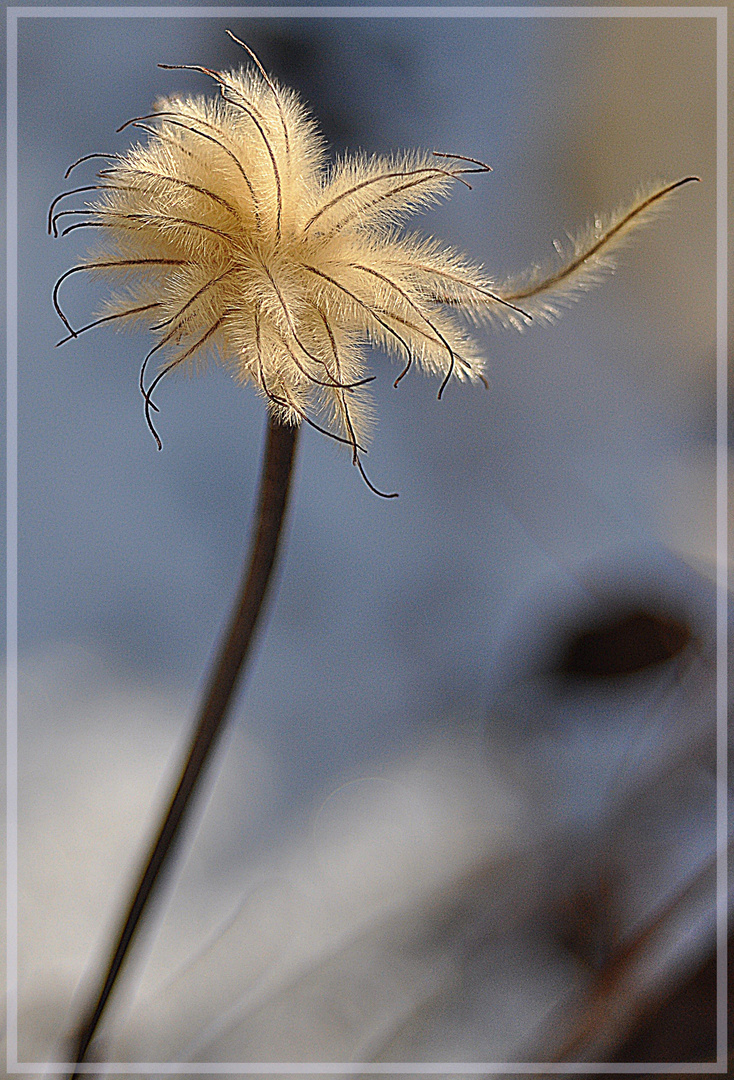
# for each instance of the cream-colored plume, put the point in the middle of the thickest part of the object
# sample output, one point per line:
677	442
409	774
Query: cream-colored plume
227	232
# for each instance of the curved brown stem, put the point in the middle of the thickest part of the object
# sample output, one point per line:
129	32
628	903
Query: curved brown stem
226	671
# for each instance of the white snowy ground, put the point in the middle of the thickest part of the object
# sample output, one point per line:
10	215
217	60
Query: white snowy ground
457	904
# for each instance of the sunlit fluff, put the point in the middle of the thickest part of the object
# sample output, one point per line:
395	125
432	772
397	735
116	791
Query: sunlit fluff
229	233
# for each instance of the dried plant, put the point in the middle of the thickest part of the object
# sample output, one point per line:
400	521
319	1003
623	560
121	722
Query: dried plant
228	233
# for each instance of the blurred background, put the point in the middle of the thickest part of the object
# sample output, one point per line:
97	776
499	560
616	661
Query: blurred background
580	487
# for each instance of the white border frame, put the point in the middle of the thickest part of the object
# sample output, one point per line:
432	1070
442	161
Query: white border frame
387	12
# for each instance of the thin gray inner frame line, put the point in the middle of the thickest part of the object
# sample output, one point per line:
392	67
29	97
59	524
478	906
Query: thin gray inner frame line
16	13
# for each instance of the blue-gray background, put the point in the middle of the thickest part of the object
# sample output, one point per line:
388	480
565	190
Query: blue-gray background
595	437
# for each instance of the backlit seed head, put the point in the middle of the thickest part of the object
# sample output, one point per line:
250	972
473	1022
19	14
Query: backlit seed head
228	233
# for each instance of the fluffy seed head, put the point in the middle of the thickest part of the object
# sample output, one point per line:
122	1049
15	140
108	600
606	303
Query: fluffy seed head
227	233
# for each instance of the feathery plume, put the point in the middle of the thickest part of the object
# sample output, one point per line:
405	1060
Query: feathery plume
227	233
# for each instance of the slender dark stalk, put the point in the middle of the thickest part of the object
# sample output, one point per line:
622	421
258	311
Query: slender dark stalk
226	671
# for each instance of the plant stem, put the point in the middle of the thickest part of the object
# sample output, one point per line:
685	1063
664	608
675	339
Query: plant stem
226	671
